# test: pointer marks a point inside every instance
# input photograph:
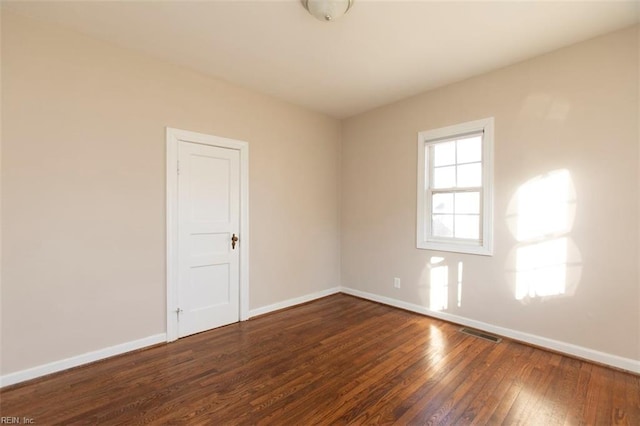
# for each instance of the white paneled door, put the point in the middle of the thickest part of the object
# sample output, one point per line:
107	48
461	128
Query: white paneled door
208	237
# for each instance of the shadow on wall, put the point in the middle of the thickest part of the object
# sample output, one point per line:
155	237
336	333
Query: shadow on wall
545	262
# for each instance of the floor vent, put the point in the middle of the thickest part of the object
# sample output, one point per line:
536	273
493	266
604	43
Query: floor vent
481	334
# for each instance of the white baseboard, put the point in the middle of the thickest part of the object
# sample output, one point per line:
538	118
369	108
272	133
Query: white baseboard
567	348
53	367
292	302
64	364
627	364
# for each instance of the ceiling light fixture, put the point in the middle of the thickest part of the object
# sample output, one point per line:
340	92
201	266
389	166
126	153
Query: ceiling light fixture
327	10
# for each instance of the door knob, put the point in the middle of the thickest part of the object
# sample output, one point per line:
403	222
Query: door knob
234	240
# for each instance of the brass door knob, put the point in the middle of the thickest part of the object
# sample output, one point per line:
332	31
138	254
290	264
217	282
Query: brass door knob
234	240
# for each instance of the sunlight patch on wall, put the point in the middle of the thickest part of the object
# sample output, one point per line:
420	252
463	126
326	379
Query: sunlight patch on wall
546	262
546	206
544	106
439	288
441	284
541	269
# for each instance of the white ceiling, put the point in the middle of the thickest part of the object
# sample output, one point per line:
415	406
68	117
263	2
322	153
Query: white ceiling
380	52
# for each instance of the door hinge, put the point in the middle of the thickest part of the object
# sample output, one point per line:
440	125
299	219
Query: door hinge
178	167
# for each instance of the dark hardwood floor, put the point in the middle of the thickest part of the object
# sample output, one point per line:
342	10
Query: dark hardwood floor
337	360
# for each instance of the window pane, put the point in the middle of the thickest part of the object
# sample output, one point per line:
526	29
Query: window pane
468	202
444	177
468	226
442	225
470	175
470	150
444	153
443	203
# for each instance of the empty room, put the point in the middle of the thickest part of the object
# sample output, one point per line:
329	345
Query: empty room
307	212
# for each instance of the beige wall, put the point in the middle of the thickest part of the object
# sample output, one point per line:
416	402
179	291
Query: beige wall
83	172
82	177
575	109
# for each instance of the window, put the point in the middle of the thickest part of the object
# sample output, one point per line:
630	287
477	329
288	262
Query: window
455	188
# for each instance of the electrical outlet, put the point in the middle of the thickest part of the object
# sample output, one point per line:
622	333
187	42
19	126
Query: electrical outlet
396	282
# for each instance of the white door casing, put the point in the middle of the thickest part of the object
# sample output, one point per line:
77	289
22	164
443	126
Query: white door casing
207	202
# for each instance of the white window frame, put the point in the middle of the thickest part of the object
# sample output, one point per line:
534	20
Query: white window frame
424	237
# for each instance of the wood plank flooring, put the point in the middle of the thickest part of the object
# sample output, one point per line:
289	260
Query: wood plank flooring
337	360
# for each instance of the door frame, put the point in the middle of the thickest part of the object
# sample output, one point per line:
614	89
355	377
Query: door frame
174	137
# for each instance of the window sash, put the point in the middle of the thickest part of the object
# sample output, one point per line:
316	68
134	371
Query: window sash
429	152
431	190
428	213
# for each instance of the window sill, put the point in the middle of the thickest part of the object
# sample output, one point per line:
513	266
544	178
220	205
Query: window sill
456	247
